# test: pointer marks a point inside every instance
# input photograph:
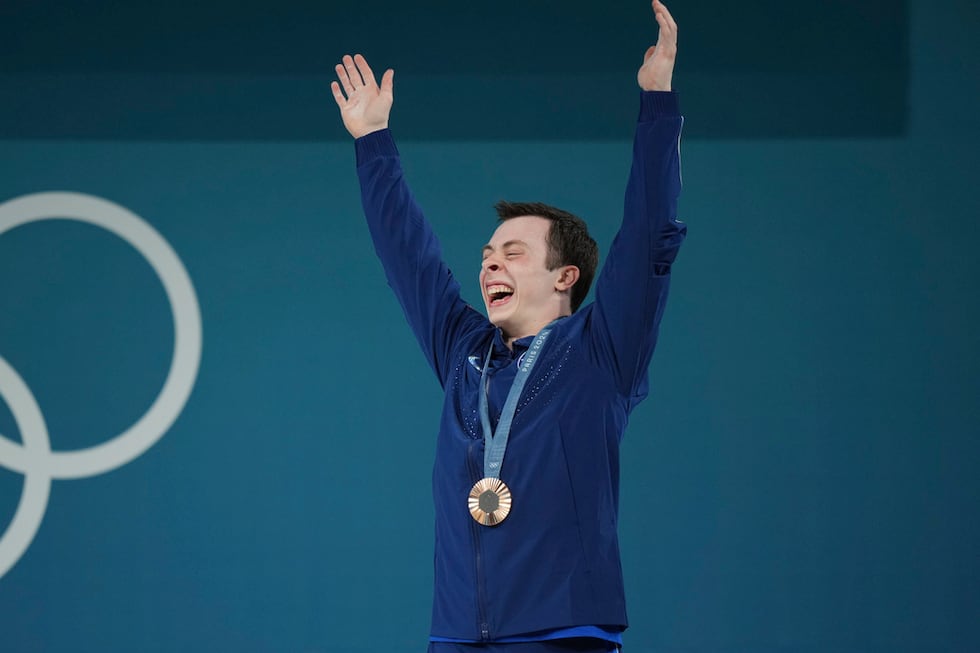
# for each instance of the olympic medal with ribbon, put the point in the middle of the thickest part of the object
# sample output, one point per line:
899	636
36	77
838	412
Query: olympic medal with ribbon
490	499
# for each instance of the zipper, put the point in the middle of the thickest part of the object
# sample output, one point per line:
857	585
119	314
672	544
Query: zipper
482	623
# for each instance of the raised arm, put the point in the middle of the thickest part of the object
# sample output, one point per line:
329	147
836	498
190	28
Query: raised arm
631	292
403	240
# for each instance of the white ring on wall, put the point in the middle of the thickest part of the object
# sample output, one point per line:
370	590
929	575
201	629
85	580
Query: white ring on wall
34	457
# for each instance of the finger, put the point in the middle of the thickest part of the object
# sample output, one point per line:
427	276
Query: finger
388	81
344	79
668	31
664	27
337	95
667	21
365	70
649	53
355	76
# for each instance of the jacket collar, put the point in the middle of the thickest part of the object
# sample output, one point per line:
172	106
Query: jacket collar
501	351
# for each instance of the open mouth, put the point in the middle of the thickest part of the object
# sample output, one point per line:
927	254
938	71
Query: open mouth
499	294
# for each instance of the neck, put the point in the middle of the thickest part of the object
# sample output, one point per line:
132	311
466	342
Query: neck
531	330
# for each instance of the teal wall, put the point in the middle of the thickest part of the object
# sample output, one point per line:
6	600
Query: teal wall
802	477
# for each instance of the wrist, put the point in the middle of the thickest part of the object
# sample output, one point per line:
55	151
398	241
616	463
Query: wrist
368	129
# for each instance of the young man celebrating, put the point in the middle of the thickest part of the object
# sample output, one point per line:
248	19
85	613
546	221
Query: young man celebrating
538	392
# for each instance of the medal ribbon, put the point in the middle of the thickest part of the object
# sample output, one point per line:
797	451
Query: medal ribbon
495	442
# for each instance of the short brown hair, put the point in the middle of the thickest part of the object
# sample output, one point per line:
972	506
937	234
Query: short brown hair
569	242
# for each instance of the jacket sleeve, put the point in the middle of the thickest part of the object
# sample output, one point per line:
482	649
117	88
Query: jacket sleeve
410	254
631	290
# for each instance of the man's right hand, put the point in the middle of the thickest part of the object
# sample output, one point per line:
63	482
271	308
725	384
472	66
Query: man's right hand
364	106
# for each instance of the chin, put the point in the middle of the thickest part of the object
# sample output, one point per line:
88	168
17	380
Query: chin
500	320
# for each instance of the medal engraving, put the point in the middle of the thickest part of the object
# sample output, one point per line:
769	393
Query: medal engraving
489	501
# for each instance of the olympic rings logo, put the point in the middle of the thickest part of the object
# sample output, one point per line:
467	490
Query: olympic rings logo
33	457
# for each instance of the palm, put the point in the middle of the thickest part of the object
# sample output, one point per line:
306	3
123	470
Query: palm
366	105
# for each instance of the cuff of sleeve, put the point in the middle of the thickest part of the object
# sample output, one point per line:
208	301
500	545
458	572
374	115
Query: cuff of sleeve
374	145
654	104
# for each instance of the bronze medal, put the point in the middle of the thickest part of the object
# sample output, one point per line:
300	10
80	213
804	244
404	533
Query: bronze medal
490	501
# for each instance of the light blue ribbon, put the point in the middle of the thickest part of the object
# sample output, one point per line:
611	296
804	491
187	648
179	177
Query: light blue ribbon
495	442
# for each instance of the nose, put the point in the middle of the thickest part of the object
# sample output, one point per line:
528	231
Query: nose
490	263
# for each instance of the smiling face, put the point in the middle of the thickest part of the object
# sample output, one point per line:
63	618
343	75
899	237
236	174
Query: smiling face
521	294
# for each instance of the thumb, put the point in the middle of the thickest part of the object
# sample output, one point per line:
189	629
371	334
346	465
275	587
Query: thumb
649	53
388	81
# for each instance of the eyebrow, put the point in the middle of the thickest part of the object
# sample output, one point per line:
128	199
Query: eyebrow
509	243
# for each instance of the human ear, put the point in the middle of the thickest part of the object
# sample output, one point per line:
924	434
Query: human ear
567	277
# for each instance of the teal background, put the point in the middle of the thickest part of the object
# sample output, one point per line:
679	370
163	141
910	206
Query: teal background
802	478
556	70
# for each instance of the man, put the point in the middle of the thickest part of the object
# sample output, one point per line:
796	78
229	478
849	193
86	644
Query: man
527	555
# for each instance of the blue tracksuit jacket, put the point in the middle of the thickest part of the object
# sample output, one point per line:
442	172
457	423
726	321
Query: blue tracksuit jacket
554	562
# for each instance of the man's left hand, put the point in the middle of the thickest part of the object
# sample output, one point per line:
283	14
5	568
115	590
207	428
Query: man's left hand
658	62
